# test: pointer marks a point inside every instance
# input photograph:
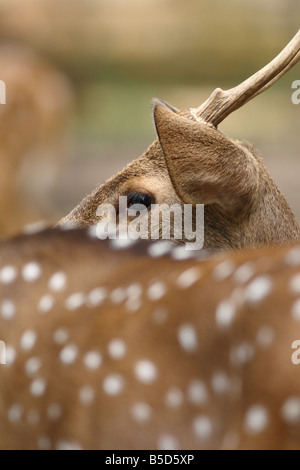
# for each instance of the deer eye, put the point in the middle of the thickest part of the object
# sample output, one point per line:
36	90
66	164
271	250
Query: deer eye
139	198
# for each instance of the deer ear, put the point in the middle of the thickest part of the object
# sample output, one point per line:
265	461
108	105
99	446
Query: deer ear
205	167
158	102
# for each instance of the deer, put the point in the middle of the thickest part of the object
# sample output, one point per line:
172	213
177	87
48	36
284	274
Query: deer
122	344
192	162
33	144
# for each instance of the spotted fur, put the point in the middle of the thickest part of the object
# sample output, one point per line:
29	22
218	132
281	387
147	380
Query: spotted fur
151	351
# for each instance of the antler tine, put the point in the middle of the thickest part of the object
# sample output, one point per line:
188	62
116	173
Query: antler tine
222	103
283	71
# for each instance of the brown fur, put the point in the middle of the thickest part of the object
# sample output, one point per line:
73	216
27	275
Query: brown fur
269	378
192	162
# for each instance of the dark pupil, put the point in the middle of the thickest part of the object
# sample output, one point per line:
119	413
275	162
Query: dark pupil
139	198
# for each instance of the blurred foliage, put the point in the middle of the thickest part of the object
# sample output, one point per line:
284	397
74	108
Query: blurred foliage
120	52
191	41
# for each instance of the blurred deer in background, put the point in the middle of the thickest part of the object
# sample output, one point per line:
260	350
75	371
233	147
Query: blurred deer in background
111	346
33	136
194	163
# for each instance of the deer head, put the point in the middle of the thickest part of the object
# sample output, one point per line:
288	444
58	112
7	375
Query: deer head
192	162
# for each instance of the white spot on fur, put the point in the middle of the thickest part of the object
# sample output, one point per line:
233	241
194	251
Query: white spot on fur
15	413
203	427
145	371
28	340
61	336
32	366
10	355
244	273
290	410
92	360
54	411
156	291
256	419
38	387
86	395
122	243
223	270
8	309
35	227
174	397
44	443
92	231
68	445
31	272
118	295
188	278
159	248
141	412
293	256
242	354
46	303
197	392
8	274
69	354
181	253
265	336
187	337
258	289
225	313
113	384
75	301
295	284
117	348
220	382
133	304
57	282
134	290
96	297
167	442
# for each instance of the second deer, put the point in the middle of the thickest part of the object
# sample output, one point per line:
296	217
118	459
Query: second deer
192	162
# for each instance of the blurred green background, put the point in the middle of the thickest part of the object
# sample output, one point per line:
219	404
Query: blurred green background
118	54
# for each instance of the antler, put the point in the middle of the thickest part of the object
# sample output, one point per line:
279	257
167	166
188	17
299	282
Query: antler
221	103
